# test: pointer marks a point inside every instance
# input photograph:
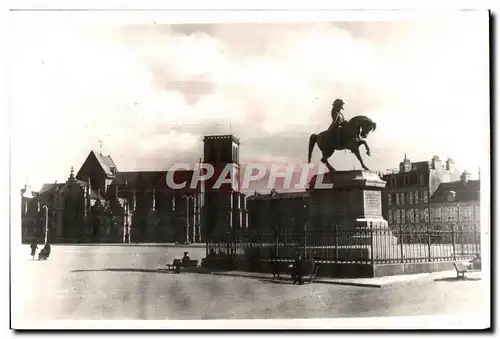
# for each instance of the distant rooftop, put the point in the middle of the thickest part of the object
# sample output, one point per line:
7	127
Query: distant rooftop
459	191
279	196
222	137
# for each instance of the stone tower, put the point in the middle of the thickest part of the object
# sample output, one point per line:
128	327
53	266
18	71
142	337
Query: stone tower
222	200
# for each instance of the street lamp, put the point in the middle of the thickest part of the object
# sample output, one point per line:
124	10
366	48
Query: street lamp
46	208
29	195
187	197
305	233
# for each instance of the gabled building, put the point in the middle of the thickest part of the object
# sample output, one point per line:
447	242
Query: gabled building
405	199
76	213
102	204
457	204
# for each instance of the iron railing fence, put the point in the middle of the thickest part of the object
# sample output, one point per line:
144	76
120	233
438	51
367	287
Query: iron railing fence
373	244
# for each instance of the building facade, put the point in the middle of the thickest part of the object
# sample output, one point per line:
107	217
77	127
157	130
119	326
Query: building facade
68	212
102	204
406	197
278	211
224	206
457	205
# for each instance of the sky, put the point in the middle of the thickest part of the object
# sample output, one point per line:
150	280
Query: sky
150	91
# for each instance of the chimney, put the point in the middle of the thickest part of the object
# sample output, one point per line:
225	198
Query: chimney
450	164
436	163
465	177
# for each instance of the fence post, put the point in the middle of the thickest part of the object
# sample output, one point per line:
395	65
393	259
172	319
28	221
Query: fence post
453	241
429	242
305	239
372	244
336	244
401	242
477	240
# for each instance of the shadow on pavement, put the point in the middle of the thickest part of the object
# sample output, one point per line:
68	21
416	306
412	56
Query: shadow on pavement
141	270
273	281
457	279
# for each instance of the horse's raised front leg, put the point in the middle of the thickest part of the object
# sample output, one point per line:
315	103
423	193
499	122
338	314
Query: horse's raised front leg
324	160
363	142
356	152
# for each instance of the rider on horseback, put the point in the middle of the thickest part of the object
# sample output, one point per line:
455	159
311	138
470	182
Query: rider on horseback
337	117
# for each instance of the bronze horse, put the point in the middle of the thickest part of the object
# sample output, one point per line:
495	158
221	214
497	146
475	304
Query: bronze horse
350	136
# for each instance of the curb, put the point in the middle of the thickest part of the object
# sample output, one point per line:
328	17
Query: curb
257	276
410	279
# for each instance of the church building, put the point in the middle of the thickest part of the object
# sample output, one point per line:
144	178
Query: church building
101	204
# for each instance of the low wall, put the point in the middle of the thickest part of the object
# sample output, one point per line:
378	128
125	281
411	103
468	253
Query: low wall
332	270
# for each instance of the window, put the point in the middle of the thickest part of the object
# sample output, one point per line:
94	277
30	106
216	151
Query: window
397	216
397	199
410	198
454	214
402	198
412	216
468	212
416	197
438	214
417	216
403	217
426	215
422	179
477	213
426	197
390	216
393	181
389	199
405	180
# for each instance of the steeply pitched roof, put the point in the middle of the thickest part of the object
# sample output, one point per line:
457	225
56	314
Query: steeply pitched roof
50	188
151	179
106	163
469	191
280	196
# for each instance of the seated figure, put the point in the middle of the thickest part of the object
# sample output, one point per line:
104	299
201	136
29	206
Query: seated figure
185	259
44	253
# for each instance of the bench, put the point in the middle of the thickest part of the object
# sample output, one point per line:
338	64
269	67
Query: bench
462	268
280	267
175	263
314	273
189	263
287	268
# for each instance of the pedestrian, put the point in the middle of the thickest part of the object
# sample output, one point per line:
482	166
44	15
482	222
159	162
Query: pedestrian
185	259
34	247
298	270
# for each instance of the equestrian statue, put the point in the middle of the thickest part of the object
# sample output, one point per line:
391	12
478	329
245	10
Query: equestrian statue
342	135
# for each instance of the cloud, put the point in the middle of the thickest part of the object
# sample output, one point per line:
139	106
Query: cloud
150	92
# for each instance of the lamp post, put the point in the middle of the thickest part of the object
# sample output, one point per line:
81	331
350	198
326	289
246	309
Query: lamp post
46	208
305	232
187	197
29	195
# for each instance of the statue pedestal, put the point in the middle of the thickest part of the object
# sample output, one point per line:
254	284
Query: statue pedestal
347	205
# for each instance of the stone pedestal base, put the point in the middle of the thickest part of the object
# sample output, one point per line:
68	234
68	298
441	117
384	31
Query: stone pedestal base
348	203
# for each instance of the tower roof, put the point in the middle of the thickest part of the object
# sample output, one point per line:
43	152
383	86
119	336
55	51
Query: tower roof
222	137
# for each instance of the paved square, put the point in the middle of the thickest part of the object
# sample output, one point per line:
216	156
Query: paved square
130	282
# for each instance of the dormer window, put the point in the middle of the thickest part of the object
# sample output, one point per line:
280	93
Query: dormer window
451	195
